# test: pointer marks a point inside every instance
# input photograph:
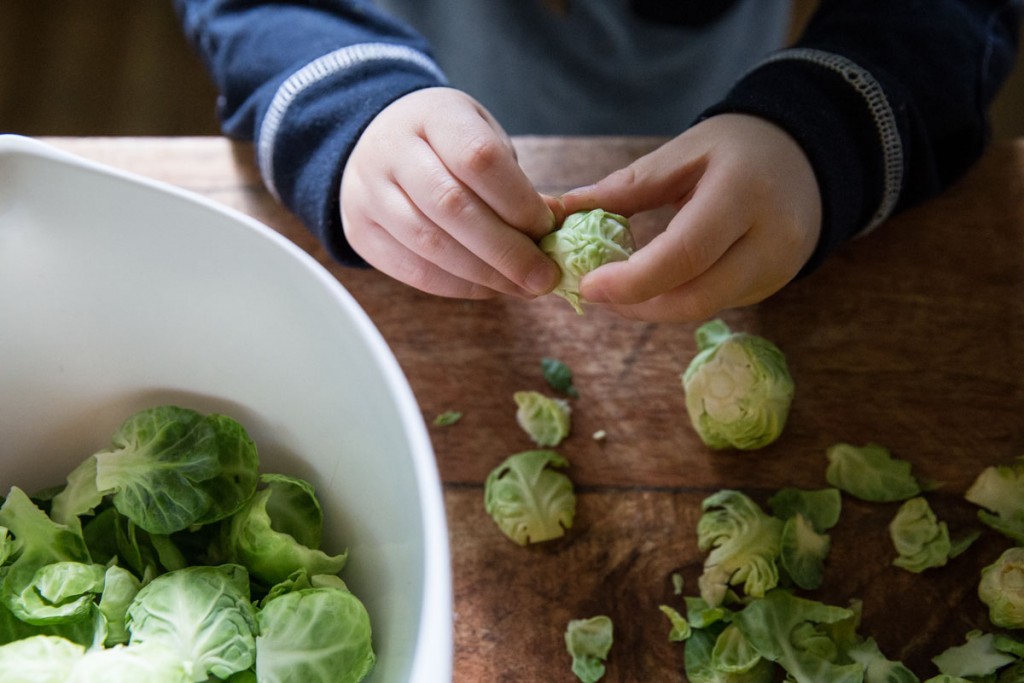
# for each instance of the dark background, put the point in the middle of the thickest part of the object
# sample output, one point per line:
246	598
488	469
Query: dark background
123	67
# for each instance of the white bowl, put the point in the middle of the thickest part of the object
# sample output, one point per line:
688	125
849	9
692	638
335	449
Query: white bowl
118	293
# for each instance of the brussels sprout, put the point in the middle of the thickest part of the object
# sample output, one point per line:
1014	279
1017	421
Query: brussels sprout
744	544
528	500
1002	589
738	388
588	642
546	420
584	241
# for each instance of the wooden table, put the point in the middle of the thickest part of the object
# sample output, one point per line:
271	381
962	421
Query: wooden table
912	338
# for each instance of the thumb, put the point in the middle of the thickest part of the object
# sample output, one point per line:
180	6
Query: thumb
665	176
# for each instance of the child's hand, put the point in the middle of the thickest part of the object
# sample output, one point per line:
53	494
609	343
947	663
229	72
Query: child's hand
433	196
749	216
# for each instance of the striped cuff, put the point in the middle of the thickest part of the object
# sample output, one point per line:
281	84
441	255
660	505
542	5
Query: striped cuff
326	66
861	80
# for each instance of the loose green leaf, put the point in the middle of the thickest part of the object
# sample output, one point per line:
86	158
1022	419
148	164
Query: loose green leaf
732	652
203	614
821	507
588	642
38	542
558	376
877	668
786	629
870	473
920	539
1000	491
803	551
699	669
744	544
978	656
545	420
448	417
528	499
680	626
320	633
278	532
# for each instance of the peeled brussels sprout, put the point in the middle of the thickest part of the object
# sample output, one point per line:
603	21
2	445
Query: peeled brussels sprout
586	240
1002	589
738	388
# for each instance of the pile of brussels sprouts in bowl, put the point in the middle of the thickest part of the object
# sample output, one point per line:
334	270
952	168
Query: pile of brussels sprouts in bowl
169	556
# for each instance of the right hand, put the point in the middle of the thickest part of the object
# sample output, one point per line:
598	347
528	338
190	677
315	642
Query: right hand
433	196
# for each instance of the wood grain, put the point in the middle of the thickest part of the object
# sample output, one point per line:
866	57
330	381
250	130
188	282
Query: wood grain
912	337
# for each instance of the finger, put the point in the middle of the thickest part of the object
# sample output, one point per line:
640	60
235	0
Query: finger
665	176
730	283
457	210
476	151
394	259
694	240
398	217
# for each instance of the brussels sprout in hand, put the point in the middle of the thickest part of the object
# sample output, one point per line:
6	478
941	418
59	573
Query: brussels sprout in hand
1002	589
738	388
529	501
586	240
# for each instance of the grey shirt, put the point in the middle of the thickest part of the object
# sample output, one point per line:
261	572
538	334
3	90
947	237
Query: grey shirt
596	68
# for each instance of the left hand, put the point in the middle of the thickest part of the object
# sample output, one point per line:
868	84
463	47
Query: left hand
748	218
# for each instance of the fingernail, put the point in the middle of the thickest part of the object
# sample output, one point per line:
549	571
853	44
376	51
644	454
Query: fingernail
594	295
542	280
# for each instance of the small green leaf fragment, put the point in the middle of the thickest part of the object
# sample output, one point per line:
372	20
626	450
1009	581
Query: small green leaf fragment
558	375
529	499
680	626
448	417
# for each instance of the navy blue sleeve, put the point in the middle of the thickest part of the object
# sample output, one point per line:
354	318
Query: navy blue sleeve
888	98
302	79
